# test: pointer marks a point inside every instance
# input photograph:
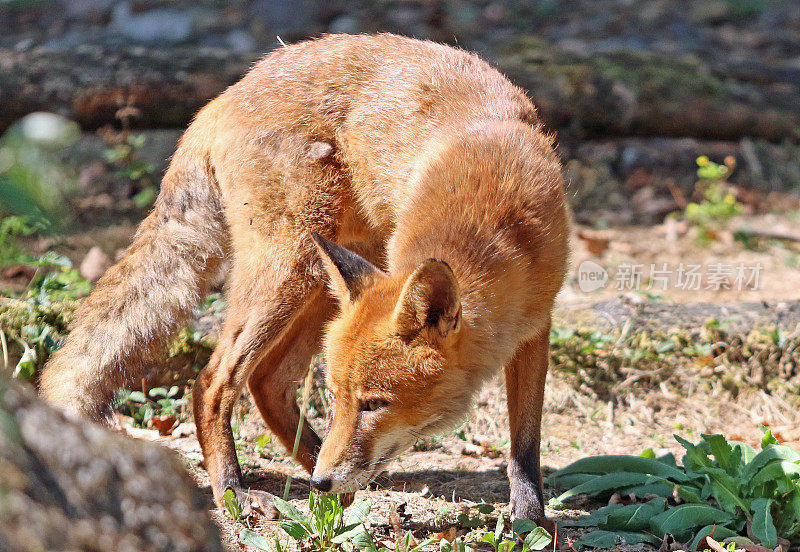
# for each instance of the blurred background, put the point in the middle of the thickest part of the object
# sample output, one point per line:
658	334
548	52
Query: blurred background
678	122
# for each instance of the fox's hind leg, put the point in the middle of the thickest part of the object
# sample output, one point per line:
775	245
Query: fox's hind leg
525	378
274	382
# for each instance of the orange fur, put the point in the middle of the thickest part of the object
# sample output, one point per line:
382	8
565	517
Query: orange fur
420	158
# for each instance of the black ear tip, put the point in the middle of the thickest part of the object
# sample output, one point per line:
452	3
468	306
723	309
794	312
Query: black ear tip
323	242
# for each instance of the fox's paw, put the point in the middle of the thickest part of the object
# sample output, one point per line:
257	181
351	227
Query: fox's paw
526	502
257	502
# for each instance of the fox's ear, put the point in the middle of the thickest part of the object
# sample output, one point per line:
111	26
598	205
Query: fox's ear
349	274
430	299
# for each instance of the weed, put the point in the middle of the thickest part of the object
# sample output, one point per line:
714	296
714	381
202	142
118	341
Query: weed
531	535
11	228
124	154
722	487
160	401
718	204
232	505
326	528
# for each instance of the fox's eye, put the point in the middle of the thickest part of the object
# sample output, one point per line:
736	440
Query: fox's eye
373	404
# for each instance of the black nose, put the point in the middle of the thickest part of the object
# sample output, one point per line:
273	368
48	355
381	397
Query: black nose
322	484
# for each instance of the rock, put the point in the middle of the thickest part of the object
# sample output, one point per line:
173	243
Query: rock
345	24
153	26
288	18
72	485
92	10
94	264
240	41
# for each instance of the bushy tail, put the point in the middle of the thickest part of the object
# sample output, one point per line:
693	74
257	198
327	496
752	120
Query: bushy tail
143	299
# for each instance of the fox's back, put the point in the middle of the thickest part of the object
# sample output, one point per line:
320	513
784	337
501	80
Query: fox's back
377	99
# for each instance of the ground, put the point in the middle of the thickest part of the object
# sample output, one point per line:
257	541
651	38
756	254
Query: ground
432	484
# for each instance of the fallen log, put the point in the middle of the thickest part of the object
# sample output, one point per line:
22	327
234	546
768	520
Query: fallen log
623	93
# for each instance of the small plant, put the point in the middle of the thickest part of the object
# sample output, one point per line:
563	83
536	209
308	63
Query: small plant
723	488
11	228
326	528
232	504
124	153
537	538
718	204
158	401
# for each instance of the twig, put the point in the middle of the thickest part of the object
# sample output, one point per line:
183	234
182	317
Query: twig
677	194
768	234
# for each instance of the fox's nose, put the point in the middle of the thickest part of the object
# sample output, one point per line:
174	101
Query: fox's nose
322	484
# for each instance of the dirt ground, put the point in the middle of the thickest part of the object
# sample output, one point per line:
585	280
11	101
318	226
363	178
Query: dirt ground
443	475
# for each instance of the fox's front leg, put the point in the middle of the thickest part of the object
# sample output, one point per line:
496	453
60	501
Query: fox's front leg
265	299
525	379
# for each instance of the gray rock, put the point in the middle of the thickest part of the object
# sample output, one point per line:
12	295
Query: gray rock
68	485
86	9
240	41
344	24
154	26
287	17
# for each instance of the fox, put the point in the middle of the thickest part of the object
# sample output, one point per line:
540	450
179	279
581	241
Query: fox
395	203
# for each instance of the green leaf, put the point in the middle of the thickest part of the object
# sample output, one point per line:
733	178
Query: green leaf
604	483
689	494
718	532
538	539
728	458
621	463
762	527
634	517
251	538
359	511
593	519
681	520
748	452
423	544
772	452
295	529
520	526
26	367
569	480
695	457
774	471
726	490
232	505
348	532
648	453
768	439
598	539
363	541
498	528
484	508
290	511
664	490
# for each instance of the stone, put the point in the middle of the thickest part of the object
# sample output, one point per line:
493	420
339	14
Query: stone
94	264
72	485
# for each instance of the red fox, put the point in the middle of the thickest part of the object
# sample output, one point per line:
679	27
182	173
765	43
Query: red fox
410	179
